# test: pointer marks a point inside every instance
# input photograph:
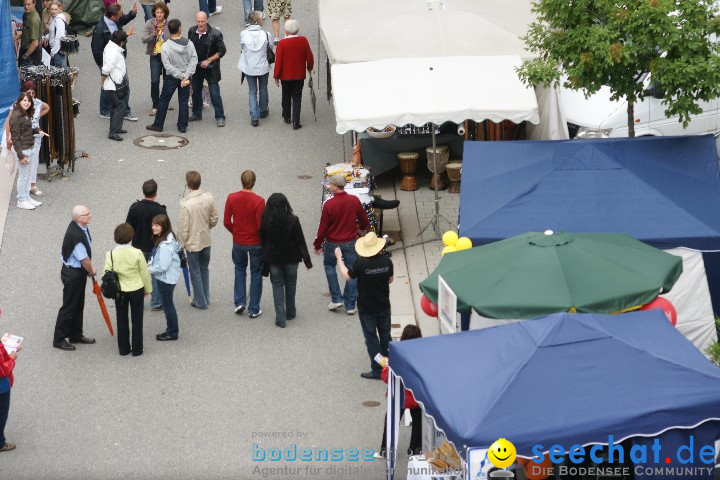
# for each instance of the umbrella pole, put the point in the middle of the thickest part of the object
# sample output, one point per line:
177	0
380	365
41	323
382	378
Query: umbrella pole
435	221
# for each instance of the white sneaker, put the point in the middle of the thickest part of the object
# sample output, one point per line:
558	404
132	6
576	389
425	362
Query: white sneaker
26	205
352	311
335	306
131	118
104	116
217	11
34	203
240	309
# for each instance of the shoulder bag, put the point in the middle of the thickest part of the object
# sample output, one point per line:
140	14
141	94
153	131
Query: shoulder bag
110	286
270	53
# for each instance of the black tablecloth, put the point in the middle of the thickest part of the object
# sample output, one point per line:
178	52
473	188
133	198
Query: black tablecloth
380	154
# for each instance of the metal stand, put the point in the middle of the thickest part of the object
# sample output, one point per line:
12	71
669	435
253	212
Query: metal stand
435	220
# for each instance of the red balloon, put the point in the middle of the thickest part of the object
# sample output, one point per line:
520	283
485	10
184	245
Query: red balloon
430	308
667	307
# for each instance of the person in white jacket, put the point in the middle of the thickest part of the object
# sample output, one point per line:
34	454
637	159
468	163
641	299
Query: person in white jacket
56	32
254	65
165	269
112	76
180	60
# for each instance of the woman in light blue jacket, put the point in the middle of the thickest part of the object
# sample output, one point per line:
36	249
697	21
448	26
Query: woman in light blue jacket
165	268
254	42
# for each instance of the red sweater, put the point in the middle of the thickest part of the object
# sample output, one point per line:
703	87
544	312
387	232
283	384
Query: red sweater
293	58
7	365
341	217
243	211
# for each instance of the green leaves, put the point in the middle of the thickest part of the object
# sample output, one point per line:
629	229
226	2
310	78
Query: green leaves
613	43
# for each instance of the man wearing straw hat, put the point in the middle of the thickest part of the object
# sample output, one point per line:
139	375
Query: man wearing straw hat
373	270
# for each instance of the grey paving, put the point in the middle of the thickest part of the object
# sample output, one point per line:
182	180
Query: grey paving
186	409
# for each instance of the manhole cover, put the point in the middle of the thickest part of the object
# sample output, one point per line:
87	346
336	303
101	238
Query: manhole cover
371	403
161	141
304	177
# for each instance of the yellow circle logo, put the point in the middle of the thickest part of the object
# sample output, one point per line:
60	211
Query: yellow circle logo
502	453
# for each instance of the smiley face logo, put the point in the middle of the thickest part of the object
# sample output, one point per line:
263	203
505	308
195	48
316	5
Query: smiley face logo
502	453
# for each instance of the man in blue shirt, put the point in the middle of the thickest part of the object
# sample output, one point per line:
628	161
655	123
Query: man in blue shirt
76	258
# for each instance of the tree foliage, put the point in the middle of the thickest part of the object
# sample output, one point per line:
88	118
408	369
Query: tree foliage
616	43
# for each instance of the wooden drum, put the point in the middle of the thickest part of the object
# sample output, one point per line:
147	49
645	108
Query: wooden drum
442	155
454	169
408	165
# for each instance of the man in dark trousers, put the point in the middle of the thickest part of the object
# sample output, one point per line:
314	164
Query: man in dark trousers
111	21
140	217
373	270
210	48
76	256
180	60
30	50
342	216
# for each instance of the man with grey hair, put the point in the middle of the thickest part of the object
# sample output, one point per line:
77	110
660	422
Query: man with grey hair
210	48
292	60
76	256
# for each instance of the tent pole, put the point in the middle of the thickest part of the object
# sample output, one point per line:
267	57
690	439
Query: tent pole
435	221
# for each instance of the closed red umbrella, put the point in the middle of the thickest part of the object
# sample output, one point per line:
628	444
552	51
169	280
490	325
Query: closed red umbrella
103	308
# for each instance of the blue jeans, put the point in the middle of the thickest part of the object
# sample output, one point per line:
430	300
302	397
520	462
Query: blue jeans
376	330
166	291
240	254
247	7
284	282
349	296
156	71
105	109
258	84
197	85
148	10
198	263
168	90
23	178
207	6
155	295
4	411
59	60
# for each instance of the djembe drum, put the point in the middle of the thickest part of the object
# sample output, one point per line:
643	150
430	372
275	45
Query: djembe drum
454	169
408	165
442	155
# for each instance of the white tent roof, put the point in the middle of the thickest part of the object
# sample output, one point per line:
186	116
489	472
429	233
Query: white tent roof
366	30
421	90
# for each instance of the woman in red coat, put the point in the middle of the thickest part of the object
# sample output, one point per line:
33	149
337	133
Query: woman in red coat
292	60
7	364
409	332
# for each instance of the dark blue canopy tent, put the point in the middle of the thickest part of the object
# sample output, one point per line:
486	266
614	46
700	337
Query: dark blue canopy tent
564	379
664	191
10	85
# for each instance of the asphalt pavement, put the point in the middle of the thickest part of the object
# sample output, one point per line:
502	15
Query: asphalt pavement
194	408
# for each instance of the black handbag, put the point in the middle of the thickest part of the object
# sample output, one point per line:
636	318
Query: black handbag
270	53
110	286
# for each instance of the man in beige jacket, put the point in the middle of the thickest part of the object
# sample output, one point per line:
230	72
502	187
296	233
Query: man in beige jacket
198	214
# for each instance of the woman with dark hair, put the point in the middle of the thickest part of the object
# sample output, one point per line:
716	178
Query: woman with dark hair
23	143
165	268
284	247
410	332
41	109
156	32
132	271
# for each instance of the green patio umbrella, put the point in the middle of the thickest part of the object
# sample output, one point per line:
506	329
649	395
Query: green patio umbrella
537	274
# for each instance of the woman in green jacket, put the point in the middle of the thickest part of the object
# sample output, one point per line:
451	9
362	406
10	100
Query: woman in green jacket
132	271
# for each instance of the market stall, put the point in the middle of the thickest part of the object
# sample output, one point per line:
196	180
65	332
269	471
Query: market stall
10	86
53	86
632	376
662	191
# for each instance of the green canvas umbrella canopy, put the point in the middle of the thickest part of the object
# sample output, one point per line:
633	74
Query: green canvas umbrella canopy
537	274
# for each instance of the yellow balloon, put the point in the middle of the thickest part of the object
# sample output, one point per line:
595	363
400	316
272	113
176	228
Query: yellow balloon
449	249
449	238
463	243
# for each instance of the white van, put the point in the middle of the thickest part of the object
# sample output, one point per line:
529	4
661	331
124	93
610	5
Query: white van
599	117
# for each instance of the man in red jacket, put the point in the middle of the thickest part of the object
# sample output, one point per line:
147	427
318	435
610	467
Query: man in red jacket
293	58
343	217
243	211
